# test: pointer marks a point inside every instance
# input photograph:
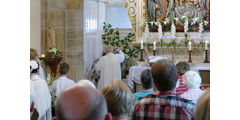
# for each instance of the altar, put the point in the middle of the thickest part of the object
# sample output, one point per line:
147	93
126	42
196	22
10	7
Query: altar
161	28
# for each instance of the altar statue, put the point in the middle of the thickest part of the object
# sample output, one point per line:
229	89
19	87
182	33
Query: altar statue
160	9
178	8
50	37
191	8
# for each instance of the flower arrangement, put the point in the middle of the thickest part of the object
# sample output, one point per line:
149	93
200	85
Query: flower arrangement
186	25
172	20
52	53
186	19
160	32
200	28
52	59
145	22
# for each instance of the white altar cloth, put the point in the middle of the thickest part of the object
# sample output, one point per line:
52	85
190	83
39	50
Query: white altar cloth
197	67
135	72
134	75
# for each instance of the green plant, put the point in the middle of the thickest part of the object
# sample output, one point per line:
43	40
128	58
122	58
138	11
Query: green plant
52	53
112	37
50	79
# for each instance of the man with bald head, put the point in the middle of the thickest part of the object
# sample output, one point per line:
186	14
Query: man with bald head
81	102
109	67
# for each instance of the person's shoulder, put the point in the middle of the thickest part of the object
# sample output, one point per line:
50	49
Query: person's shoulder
56	80
70	80
145	99
181	98
137	93
185	103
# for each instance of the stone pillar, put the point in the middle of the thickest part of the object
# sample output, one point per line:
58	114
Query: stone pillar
66	18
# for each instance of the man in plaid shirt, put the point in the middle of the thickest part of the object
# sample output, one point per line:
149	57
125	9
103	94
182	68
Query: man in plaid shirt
164	104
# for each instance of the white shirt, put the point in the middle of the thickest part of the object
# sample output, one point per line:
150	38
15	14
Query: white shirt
192	94
110	68
59	85
42	97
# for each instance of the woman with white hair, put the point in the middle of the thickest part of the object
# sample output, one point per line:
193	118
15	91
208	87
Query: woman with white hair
192	81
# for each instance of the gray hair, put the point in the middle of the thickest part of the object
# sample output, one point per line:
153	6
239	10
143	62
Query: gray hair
191	79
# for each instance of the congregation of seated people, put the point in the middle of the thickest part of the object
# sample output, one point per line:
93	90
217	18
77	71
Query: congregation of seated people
179	95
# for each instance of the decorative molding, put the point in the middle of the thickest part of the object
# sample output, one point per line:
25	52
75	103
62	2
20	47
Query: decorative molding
131	6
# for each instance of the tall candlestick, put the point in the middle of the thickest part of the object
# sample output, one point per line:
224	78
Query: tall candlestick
190	46
206	45
206	57
141	58
154	45
141	44
190	57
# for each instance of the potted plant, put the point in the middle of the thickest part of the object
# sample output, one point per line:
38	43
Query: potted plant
52	59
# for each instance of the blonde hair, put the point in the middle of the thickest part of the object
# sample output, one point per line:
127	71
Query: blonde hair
203	106
33	53
120	100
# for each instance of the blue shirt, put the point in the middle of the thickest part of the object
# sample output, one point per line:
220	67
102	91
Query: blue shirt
141	94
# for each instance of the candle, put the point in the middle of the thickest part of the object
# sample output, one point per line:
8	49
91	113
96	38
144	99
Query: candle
190	46
43	55
154	45
206	45
141	44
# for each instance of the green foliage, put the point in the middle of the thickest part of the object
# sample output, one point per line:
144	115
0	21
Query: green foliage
50	79
202	45
112	37
52	52
173	43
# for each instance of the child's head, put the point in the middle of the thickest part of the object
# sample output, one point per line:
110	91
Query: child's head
63	68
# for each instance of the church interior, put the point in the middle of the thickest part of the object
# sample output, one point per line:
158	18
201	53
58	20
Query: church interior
75	28
79	32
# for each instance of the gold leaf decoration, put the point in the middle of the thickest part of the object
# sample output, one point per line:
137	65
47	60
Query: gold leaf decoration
131	7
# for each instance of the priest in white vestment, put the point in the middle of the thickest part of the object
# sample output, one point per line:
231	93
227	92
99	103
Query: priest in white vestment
62	82
42	97
109	67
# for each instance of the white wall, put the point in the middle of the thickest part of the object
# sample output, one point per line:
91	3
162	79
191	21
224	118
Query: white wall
35	25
